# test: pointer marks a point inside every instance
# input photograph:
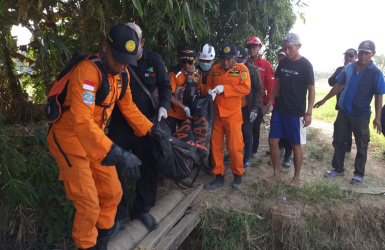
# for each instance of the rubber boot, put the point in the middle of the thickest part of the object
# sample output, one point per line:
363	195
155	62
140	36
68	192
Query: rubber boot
148	220
237	181
102	241
218	182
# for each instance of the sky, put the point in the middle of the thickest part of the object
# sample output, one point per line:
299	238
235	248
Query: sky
333	26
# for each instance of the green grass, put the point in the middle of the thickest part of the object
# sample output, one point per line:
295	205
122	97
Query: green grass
327	113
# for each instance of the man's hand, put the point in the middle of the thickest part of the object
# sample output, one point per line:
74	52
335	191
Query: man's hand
218	89
319	104
267	107
187	111
253	115
213	94
306	120
162	113
377	125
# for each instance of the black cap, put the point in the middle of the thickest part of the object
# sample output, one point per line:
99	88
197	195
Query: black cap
124	44
242	54
351	52
367	46
228	51
187	54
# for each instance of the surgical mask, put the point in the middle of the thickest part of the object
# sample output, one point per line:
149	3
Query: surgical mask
205	66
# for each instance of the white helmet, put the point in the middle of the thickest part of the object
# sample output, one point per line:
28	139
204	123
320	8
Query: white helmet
208	53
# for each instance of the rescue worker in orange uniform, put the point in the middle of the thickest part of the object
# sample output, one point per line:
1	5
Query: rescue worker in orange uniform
88	160
184	80
227	83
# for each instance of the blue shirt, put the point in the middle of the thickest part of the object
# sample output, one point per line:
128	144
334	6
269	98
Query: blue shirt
359	88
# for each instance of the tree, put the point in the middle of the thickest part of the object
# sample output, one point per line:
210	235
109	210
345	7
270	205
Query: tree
61	27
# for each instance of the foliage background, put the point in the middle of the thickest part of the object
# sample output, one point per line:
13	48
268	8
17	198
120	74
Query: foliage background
34	213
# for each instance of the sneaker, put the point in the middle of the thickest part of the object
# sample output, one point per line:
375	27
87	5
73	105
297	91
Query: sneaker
226	159
237	181
254	155
286	162
246	163
148	220
218	182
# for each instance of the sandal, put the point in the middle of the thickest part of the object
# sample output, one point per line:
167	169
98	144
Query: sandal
295	182
332	173
357	180
272	180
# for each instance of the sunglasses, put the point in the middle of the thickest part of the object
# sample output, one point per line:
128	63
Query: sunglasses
186	62
350	55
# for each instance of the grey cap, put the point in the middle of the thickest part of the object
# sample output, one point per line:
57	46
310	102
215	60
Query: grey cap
291	39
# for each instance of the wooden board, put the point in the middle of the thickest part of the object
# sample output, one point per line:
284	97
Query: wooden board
154	237
180	232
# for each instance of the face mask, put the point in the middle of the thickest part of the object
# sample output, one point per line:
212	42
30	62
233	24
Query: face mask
205	66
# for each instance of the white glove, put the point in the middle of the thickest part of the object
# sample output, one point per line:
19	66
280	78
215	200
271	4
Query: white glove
253	115
210	92
218	89
187	111
271	109
162	113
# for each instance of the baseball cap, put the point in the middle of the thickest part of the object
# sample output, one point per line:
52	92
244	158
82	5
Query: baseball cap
228	51
367	46
291	39
242	54
351	51
124	44
187	54
281	52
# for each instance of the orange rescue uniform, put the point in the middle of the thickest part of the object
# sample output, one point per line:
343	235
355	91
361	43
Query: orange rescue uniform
177	81
228	115
78	143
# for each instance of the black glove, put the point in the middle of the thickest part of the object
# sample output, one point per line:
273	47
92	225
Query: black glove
127	164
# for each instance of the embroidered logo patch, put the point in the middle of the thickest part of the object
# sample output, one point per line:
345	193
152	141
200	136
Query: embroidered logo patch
88	85
130	46
244	75
88	97
226	49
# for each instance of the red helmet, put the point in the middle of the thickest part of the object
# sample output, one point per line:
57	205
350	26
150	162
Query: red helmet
253	41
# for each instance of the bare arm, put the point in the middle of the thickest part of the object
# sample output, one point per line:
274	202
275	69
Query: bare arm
335	90
310	100
377	118
272	97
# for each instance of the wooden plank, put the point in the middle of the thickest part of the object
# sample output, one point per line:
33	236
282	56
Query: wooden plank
131	235
153	238
180	232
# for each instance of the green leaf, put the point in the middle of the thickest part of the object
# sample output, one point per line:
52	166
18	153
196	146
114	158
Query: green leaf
138	7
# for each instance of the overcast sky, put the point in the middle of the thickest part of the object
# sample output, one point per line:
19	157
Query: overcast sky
333	26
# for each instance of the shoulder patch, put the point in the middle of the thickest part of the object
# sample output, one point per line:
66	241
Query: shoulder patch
88	85
244	75
88	97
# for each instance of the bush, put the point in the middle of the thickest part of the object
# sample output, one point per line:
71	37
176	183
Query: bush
32	199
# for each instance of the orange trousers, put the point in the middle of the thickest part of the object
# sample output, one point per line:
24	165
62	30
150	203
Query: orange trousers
231	127
95	191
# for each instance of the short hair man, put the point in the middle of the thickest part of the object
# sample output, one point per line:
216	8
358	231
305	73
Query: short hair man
358	82
350	56
228	81
151	72
85	155
290	118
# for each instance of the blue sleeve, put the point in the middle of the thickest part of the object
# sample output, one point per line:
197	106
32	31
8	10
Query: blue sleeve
380	84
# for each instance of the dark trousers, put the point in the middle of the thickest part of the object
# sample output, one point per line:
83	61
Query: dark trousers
285	144
146	186
343	126
257	131
247	132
